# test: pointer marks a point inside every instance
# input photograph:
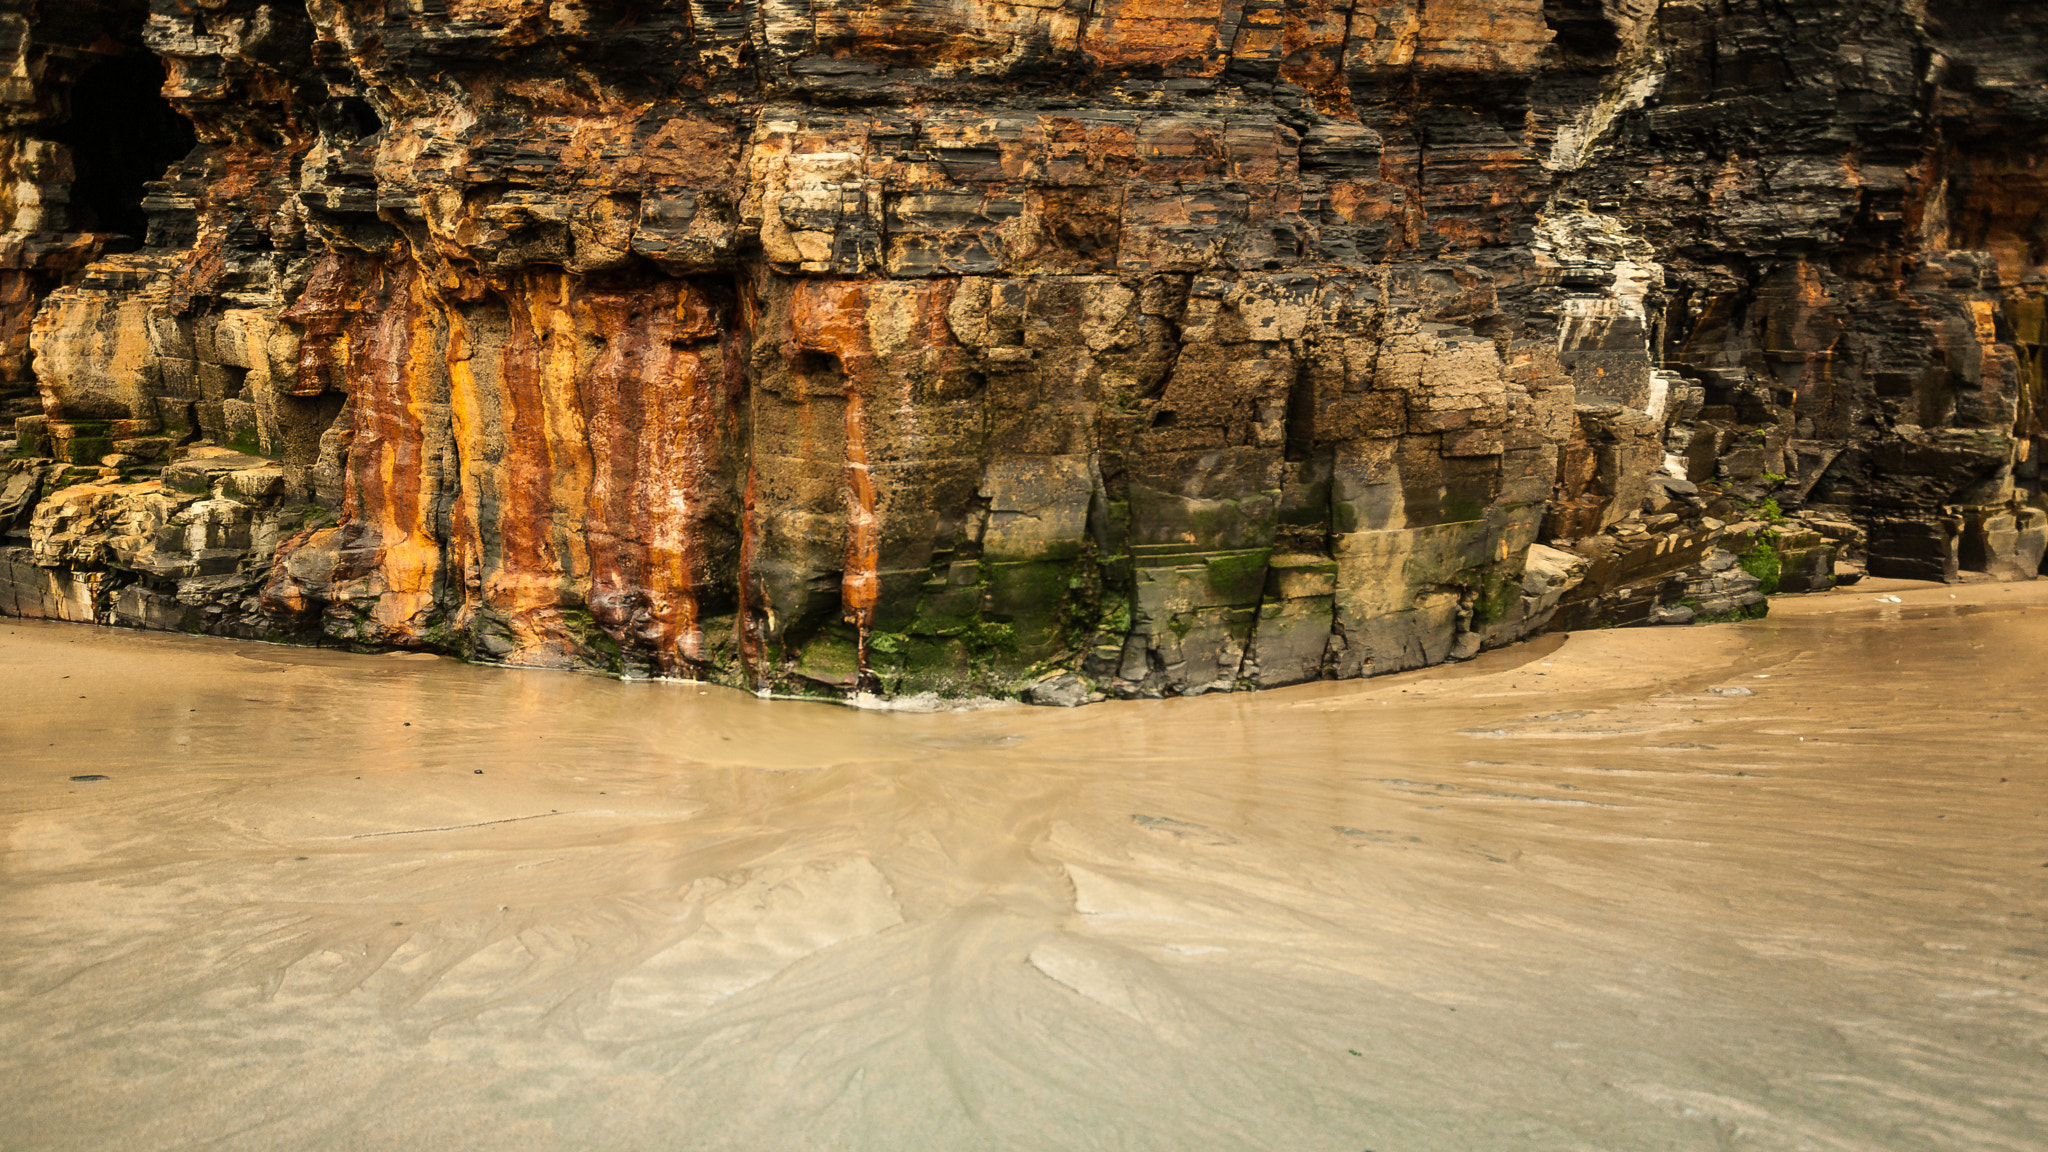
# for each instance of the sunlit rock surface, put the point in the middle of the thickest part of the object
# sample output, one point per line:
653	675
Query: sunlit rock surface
1152	349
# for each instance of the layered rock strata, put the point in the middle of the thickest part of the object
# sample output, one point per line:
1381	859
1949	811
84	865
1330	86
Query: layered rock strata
1115	347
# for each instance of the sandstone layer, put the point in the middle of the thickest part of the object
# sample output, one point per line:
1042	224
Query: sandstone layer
1110	348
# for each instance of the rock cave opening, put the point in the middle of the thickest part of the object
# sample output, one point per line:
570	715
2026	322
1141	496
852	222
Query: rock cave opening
1585	33
122	134
349	118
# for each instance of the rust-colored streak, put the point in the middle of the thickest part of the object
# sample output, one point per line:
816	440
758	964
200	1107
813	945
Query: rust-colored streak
528	581
465	519
830	316
570	436
650	402
383	498
748	627
747	630
861	586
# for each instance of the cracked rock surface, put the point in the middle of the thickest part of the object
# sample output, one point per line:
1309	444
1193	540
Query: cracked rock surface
1116	348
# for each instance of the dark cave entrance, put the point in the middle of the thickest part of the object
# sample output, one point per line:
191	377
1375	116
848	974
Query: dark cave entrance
1585	35
122	134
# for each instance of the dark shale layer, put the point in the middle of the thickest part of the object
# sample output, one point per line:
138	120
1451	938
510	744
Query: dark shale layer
1115	347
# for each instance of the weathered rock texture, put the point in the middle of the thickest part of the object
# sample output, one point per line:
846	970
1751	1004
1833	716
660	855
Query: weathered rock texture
1153	348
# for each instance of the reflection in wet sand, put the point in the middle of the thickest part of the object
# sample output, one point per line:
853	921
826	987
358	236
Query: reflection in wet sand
1777	885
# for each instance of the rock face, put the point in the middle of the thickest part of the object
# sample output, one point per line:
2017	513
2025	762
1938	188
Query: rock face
1113	347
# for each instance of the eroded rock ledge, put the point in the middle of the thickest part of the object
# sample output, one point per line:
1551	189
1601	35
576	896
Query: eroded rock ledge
1106	348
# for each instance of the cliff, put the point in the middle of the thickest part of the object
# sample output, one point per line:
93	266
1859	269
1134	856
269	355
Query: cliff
1113	347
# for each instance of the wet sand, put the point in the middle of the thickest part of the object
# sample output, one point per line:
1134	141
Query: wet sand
1776	885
